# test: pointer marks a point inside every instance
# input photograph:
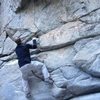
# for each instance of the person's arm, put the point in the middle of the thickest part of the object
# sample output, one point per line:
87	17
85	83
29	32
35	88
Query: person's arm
34	46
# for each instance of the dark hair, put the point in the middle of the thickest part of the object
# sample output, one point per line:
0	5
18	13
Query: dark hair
18	41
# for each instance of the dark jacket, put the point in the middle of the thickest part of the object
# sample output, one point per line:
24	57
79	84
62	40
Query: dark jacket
23	53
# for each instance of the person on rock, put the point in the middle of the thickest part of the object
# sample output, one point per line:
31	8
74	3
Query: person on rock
26	67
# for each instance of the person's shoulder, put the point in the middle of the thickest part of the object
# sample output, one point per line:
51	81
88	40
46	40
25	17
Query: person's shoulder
20	46
27	44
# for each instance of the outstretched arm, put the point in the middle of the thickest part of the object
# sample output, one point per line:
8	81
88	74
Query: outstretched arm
32	46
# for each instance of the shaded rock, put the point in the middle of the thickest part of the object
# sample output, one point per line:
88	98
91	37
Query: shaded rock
78	8
95	67
9	57
81	43
40	90
95	96
87	58
22	34
93	17
78	82
75	81
25	21
2	40
19	5
60	93
43	97
1	62
6	13
9	92
43	23
8	72
58	78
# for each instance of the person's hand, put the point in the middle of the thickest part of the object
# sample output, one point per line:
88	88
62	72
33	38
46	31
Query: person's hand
34	38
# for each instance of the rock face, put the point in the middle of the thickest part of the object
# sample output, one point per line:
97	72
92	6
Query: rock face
68	33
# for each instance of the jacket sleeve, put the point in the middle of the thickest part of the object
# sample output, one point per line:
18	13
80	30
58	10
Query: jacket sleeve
29	46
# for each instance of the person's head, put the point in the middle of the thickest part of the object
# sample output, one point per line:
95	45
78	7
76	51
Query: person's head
18	41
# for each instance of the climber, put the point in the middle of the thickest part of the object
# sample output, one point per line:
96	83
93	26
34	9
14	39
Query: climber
26	67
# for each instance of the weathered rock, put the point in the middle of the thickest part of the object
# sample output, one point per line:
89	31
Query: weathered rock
95	96
9	46
11	88
2	40
93	17
79	8
6	13
59	79
57	58
19	5
1	62
34	22
9	57
22	34
87	58
68	34
24	22
81	43
75	81
60	93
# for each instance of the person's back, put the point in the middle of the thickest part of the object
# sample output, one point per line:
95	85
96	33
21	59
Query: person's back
23	53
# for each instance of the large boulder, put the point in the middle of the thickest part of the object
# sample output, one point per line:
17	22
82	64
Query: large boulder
68	34
58	58
75	81
87	58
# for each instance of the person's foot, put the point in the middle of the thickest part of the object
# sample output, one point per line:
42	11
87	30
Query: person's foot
28	95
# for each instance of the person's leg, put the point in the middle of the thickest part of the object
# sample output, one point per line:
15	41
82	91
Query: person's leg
36	66
25	77
26	87
45	71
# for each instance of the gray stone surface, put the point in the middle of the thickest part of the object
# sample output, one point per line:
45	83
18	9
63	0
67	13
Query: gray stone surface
95	96
69	37
6	13
58	58
2	39
76	81
88	57
69	33
11	85
9	46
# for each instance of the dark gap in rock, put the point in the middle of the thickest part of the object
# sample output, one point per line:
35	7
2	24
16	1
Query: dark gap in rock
7	36
91	92
3	55
23	5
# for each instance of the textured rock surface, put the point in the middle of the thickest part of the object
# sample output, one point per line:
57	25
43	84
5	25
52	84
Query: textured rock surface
69	37
88	97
